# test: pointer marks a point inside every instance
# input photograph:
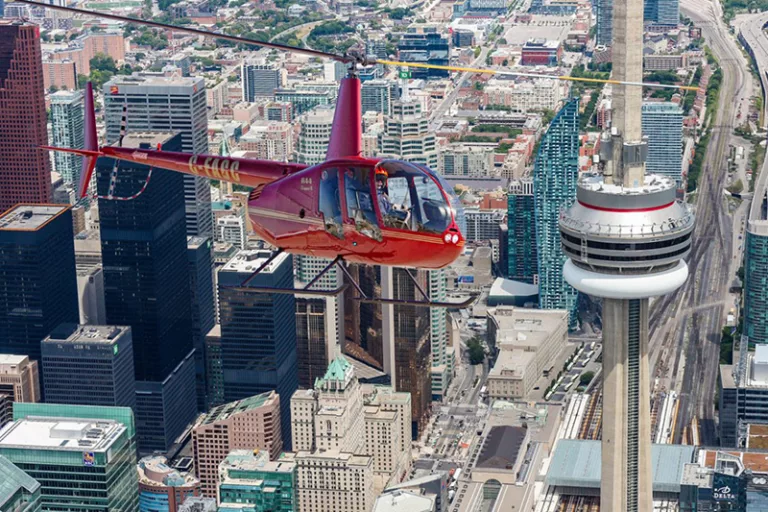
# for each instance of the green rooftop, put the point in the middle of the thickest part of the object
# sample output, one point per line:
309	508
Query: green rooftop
224	411
337	370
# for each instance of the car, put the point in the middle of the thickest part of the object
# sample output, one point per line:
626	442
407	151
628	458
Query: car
536	388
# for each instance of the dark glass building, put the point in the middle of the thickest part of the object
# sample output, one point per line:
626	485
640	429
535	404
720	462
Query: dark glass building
425	48
38	282
89	365
146	285
521	232
315	337
200	258
258	331
363	338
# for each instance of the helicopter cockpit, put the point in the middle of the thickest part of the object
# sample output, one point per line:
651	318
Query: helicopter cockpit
390	195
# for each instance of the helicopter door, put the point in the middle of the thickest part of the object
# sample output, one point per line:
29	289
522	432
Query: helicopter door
358	186
329	202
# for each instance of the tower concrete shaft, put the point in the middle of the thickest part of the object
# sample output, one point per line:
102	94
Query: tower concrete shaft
626	480
627	52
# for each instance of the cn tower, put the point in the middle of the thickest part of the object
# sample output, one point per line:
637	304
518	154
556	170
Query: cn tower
626	236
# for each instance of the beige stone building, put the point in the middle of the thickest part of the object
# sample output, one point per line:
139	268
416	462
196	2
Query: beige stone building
250	424
529	341
334	481
19	378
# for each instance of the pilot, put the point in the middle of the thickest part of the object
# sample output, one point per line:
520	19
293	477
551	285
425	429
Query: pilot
381	191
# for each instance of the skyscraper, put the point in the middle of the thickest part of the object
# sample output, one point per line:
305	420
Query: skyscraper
167	105
663	125
625	238
521	224
20	492
407	136
146	281
425	48
25	171
260	80
662	12
89	365
200	258
258	331
82	463
756	281
555	172
604	16
38	284
68	132
442	354
19	378
314	136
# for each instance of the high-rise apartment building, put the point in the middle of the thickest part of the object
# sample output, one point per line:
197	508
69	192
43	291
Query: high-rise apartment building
258	330
96	456
662	12
260	80
25	171
756	281
19	378
162	487
19	492
168	105
604	17
378	95
482	224
252	423
314	136
146	280
442	354
231	229
89	365
425	48
67	125
38	284
663	125
556	171
250	477
200	258
522	263
407	136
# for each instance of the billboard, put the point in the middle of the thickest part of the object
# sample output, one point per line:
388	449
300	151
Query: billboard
88	459
466	279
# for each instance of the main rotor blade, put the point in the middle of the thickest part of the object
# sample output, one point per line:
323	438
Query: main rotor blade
487	71
236	39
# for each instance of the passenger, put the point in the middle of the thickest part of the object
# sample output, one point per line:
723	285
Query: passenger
381	191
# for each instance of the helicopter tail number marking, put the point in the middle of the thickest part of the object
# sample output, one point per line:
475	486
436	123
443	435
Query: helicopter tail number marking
216	168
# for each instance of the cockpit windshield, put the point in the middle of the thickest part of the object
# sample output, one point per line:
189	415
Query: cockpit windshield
409	198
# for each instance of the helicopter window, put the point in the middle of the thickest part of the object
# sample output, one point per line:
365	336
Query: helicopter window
357	183
416	202
329	202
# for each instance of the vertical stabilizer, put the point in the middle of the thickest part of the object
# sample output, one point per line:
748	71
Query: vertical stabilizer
347	129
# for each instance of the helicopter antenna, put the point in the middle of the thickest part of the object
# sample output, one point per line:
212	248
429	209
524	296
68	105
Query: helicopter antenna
352	58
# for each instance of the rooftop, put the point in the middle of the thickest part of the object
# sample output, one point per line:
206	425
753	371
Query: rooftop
153	80
510	288
154	470
249	260
501	447
512	363
577	463
526	327
61	434
153	139
10	363
652	183
73	333
30	217
224	411
255	460
402	501
12	479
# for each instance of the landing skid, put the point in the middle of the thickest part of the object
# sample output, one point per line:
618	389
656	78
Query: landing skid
360	295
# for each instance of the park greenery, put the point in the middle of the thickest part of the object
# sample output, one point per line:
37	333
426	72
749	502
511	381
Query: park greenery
476	350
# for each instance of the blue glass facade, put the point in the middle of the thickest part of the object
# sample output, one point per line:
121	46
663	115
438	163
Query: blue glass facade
662	12
200	258
663	125
522	262
756	282
604	17
38	284
146	280
556	172
258	332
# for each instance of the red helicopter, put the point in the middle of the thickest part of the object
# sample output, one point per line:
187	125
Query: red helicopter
347	209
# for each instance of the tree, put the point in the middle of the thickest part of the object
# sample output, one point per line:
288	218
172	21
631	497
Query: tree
586	378
102	62
476	351
53	89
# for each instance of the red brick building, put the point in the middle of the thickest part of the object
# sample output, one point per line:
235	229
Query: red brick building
25	170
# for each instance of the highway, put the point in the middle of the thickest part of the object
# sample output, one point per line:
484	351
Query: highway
686	325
